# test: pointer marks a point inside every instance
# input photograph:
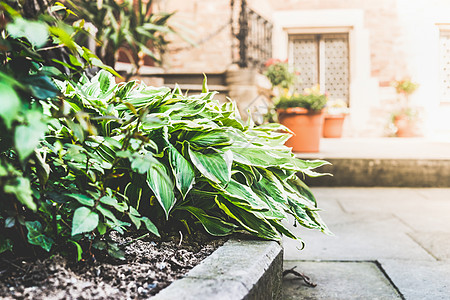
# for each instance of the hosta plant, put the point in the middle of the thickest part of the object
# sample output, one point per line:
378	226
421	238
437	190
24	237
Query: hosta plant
163	158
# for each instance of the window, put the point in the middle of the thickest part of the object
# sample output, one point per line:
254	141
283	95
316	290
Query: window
323	59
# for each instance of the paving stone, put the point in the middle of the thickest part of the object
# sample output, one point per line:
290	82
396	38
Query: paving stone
404	229
419	209
436	243
419	280
364	236
338	280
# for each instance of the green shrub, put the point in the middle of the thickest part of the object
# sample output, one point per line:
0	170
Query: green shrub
311	99
130	155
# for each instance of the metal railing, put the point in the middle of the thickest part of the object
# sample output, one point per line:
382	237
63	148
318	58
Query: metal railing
252	36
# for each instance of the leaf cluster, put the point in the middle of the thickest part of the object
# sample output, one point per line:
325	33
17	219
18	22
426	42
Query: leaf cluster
129	26
279	75
308	101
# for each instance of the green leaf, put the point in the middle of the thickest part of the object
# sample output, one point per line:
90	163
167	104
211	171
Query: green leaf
79	250
109	214
36	235
263	157
105	79
205	84
150	226
142	163
27	137
182	171
113	202
136	220
10	222
213	225
162	187
34	31
82	199
101	227
84	220
9	104
22	190
243	196
214	166
41	86
5	244
253	221
209	139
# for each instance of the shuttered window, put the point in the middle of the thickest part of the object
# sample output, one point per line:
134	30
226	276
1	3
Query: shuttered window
323	59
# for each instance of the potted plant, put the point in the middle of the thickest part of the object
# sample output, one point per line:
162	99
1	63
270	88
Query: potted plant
303	114
406	117
282	79
336	110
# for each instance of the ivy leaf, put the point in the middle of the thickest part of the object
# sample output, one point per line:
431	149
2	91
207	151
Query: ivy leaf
113	202
27	137
79	250
22	191
84	220
10	222
5	244
9	104
36	235
82	199
41	86
34	31
136	221
150	226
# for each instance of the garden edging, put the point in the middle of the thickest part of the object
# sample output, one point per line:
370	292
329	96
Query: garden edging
240	269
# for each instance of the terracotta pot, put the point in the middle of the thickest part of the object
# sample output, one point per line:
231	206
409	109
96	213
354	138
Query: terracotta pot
306	125
405	126
332	126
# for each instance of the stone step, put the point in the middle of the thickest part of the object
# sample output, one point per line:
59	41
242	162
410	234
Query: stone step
384	162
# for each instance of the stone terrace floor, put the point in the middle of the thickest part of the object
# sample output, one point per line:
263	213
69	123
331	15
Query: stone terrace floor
388	243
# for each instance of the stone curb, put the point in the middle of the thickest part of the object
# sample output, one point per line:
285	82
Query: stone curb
237	270
362	172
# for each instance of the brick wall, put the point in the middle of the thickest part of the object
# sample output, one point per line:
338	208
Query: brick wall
205	23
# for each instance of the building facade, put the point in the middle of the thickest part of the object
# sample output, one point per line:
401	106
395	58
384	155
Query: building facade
353	48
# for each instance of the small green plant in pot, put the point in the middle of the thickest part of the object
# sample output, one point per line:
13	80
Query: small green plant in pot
282	80
406	117
303	114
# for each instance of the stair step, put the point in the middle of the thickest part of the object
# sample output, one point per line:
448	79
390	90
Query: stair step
192	78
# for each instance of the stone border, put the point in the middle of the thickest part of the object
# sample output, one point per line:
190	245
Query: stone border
383	172
240	269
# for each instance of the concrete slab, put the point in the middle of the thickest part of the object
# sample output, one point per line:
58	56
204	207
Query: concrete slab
420	209
338	280
364	236
436	243
407	230
419	280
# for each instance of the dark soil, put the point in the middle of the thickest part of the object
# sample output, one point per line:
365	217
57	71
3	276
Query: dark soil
149	267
